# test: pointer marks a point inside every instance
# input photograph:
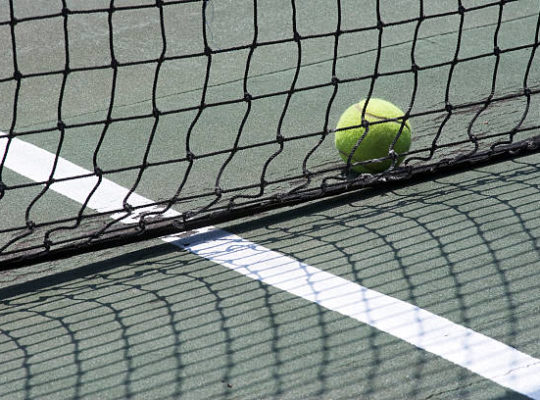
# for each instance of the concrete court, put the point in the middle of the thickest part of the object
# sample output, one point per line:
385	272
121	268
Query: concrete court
149	321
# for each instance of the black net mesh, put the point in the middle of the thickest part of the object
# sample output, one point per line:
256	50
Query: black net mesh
154	117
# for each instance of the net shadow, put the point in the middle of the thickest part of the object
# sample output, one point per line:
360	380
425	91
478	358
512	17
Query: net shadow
163	323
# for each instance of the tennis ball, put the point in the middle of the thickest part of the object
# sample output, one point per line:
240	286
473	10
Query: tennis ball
376	143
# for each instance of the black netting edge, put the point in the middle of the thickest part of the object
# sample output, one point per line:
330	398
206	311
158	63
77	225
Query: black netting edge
147	228
399	177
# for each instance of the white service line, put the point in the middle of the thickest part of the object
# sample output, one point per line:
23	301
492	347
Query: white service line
460	345
36	164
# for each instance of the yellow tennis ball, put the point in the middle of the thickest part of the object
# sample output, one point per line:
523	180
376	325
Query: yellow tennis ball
379	137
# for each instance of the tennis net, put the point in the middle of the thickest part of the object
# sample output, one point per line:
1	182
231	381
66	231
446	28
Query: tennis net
155	117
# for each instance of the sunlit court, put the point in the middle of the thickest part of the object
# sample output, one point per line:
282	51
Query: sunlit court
287	199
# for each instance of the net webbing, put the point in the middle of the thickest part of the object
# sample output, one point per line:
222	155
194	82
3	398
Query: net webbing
245	107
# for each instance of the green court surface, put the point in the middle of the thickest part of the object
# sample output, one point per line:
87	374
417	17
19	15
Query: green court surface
154	320
150	321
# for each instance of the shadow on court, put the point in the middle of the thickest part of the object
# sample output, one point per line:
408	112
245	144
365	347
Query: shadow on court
159	322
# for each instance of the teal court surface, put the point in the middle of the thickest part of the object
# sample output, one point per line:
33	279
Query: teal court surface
426	289
152	320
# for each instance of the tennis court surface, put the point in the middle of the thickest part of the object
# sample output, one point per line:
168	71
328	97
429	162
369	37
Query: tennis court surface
177	223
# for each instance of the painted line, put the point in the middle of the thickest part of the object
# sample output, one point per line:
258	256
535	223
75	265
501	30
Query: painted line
36	164
462	346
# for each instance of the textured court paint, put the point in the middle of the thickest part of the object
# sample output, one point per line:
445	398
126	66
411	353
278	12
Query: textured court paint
478	353
462	346
36	164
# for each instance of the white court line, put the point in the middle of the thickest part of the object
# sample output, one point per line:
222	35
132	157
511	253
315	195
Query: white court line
36	164
460	345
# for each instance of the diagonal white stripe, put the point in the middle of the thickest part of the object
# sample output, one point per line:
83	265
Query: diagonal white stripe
460	345
36	164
